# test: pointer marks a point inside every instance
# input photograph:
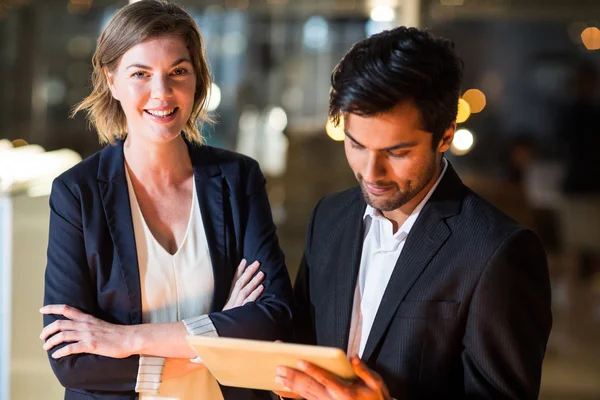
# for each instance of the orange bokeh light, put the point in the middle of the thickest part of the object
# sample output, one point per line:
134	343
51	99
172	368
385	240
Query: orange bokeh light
591	38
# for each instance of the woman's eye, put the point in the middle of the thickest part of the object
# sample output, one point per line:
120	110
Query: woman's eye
139	74
180	71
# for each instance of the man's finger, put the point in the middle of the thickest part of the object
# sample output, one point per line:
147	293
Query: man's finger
287	384
287	395
300	383
363	372
320	375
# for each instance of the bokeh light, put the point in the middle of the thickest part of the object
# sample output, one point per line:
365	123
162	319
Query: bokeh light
335	132
591	38
463	142
277	118
476	100
214	97
383	14
464	111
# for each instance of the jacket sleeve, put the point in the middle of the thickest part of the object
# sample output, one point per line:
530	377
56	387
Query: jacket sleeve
270	317
68	281
304	313
509	322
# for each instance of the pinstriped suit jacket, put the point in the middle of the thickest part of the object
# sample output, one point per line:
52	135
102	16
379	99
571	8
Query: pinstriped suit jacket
466	313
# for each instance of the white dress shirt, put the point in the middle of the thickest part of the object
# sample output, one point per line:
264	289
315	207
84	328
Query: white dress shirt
380	252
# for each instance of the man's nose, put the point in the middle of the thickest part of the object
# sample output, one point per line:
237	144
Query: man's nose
375	168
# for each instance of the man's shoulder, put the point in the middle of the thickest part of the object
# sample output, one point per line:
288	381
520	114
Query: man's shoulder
476	207
484	223
335	211
340	202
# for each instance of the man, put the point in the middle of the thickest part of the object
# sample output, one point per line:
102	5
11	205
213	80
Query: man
433	288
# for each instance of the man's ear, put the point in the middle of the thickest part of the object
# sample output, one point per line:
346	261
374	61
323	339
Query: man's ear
110	80
447	138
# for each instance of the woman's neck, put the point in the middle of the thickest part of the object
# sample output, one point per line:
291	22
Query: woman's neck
158	164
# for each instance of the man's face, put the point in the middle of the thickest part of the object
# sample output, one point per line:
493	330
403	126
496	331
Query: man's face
391	156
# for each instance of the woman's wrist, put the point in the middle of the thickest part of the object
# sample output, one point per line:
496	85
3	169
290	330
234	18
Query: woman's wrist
134	339
159	340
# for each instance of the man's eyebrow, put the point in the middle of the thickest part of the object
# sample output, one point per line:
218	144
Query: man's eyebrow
351	138
402	145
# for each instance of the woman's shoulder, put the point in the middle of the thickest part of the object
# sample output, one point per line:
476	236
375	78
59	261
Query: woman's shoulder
241	172
82	172
104	165
226	160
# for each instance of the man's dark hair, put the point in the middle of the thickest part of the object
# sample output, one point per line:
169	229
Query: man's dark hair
395	66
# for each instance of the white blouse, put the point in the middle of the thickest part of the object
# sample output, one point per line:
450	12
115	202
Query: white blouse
173	288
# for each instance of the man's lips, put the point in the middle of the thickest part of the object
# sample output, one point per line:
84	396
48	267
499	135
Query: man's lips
378	189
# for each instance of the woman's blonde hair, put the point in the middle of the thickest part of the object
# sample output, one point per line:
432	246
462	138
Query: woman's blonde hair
130	26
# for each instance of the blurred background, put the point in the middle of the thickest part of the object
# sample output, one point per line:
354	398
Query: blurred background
528	138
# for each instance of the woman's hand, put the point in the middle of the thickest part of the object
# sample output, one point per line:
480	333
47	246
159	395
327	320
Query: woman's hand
245	288
86	334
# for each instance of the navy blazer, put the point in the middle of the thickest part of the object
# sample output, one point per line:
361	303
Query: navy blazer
92	259
466	313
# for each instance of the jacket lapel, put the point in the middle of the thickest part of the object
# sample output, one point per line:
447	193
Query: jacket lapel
210	191
347	270
426	237
115	200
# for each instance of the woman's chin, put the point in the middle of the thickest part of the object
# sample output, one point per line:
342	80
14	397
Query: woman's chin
161	135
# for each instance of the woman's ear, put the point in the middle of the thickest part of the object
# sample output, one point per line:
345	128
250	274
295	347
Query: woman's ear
110	80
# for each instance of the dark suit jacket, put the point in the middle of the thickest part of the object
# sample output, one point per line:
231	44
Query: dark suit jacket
93	266
466	313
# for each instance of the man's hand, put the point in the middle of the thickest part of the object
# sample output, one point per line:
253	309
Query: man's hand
314	383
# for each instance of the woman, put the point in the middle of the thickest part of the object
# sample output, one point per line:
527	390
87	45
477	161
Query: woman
145	236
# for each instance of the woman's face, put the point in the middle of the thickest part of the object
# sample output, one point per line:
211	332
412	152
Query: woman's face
155	84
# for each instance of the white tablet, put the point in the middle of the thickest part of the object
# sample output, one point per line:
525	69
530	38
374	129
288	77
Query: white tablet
252	363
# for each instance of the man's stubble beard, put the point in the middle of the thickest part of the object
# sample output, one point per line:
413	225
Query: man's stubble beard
401	197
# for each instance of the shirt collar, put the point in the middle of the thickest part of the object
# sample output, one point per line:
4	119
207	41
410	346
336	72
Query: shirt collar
410	221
